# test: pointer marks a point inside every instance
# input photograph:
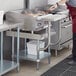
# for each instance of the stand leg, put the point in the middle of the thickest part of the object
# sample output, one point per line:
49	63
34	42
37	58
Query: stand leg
38	59
49	58
38	63
49	41
12	50
18	30
25	47
1	51
56	53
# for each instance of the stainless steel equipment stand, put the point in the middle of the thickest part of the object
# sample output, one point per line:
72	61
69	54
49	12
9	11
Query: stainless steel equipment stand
37	58
5	65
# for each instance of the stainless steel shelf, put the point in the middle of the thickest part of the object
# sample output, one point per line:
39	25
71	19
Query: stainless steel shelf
31	57
7	66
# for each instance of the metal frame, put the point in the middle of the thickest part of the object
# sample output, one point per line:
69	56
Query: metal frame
6	66
38	57
23	54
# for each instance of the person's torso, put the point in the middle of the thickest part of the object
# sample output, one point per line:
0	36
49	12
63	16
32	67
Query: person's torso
72	3
53	1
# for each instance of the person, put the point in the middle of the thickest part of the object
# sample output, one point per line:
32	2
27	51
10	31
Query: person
72	8
71	5
57	5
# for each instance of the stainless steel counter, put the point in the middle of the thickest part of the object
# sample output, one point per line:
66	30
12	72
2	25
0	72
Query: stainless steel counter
5	65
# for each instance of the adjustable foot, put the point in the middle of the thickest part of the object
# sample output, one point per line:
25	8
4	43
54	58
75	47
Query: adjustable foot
56	53
38	63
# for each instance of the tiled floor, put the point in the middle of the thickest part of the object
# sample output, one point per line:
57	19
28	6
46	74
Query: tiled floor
28	68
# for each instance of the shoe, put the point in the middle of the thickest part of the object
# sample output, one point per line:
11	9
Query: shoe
72	63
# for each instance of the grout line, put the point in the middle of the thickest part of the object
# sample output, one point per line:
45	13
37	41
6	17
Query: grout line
65	71
72	71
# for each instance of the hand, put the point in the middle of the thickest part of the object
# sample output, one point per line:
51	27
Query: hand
52	7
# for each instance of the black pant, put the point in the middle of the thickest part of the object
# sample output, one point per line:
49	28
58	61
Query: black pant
74	47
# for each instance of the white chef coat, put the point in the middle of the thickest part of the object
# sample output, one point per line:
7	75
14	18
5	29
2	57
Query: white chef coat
61	7
53	1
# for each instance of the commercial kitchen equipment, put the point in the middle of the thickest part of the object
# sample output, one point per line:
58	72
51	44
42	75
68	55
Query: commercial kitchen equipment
35	20
34	23
63	37
6	65
35	36
40	5
65	34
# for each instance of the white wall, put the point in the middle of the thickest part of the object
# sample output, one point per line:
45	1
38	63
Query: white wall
7	5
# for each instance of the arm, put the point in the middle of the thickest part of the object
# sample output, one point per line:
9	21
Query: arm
56	5
62	1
